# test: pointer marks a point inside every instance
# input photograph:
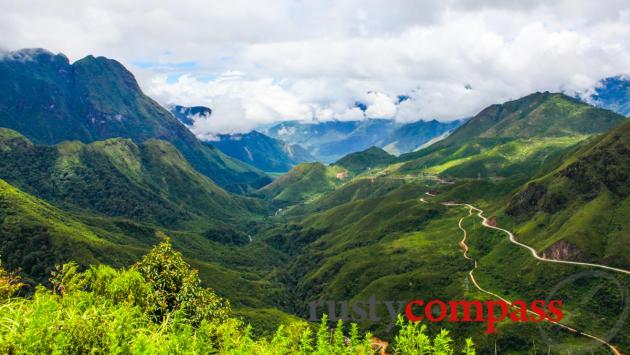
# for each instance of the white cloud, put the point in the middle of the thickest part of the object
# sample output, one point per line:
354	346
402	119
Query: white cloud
238	104
256	64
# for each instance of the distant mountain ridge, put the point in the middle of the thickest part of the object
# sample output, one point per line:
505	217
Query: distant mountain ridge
254	148
259	150
329	141
49	100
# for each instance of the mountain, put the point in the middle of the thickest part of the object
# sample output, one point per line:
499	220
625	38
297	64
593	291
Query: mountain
35	235
265	153
515	138
611	93
190	115
147	182
412	136
313	136
579	210
364	160
382	236
304	181
254	148
537	115
331	140
49	100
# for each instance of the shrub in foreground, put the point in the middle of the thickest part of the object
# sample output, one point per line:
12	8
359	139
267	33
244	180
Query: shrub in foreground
158	307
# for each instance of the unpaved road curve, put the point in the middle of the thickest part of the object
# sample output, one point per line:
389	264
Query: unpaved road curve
532	250
464	247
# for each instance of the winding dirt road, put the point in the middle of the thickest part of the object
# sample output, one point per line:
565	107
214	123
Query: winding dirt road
471	274
532	250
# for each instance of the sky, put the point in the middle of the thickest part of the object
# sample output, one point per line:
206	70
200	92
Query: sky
259	62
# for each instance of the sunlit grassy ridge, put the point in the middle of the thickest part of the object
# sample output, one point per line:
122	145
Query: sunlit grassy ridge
580	209
303	182
148	182
521	155
517	137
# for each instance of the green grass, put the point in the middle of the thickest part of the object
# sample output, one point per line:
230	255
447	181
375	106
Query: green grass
581	203
358	162
301	183
148	182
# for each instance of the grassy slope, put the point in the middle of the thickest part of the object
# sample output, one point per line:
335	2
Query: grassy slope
518	137
35	236
304	181
582	205
355	189
390	245
148	182
364	160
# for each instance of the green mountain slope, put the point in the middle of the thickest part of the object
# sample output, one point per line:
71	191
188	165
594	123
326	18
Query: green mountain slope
34	236
49	100
516	138
303	182
374	236
265	153
147	182
579	210
364	160
537	115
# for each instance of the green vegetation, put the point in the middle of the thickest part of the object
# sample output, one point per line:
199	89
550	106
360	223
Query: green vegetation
360	161
521	137
495	159
157	306
35	236
303	182
147	182
266	153
578	211
49	100
360	228
355	189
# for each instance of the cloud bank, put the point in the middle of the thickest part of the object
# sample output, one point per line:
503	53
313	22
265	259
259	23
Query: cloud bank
256	64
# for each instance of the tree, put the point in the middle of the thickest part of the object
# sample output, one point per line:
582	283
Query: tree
176	287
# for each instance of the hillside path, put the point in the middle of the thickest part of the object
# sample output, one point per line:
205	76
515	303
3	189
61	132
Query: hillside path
485	223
